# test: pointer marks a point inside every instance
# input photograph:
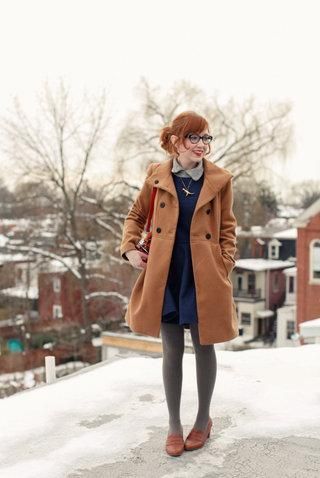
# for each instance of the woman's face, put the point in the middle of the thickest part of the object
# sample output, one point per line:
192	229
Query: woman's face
191	154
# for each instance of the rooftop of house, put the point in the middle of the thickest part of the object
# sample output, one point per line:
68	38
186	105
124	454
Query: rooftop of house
291	233
15	257
259	264
111	419
269	231
303	219
21	291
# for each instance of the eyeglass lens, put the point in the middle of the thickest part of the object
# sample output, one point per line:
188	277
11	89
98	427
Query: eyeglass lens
195	138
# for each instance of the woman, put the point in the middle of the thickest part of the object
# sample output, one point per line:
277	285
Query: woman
184	281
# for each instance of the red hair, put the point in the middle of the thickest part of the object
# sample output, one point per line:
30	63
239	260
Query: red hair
183	124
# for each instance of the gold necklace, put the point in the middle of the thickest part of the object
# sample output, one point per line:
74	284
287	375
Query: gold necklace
186	189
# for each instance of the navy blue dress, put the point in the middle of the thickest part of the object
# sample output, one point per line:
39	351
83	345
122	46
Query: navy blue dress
179	304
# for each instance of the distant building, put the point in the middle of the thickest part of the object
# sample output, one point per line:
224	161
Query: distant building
300	315
308	262
267	243
60	298
259	290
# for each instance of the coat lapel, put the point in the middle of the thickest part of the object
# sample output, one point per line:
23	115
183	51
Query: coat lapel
215	178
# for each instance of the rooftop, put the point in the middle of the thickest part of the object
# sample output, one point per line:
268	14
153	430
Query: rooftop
110	420
262	264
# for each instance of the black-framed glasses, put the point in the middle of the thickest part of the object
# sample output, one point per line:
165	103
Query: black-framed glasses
195	138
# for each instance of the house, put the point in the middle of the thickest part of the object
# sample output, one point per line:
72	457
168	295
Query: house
259	290
18	280
267	242
308	261
301	311
60	298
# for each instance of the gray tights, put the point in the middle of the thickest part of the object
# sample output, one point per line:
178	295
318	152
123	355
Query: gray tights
172	336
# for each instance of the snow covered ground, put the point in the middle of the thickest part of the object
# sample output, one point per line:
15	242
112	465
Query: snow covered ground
110	420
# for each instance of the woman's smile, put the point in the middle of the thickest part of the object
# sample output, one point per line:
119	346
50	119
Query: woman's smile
198	152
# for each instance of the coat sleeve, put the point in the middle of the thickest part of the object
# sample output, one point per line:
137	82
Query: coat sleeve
136	217
228	226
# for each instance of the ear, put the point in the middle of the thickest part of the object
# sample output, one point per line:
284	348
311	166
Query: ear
173	138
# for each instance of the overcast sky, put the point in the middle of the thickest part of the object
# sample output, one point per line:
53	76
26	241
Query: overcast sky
234	48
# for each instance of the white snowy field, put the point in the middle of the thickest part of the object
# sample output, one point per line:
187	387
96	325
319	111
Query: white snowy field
111	420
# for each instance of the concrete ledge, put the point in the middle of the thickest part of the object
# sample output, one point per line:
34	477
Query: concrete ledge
136	342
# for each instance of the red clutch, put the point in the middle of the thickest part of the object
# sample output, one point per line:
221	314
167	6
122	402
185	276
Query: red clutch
143	245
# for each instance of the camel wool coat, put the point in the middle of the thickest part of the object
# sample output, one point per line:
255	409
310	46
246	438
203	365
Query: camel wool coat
212	244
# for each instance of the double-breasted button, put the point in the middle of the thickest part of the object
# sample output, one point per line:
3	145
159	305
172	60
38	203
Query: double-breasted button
158	229
156	181
162	204
208	211
208	235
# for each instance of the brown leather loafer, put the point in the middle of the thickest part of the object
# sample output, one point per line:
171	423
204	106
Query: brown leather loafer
197	438
174	444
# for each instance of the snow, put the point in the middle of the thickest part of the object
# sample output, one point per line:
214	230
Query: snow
310	328
44	253
311	323
265	313
3	240
291	272
17	257
289	211
98	416
21	291
308	213
94	295
262	264
287	234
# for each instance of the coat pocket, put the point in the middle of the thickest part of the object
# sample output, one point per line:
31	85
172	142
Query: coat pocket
220	260
228	265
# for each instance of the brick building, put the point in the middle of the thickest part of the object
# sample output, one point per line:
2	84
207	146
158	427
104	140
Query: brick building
308	262
60	298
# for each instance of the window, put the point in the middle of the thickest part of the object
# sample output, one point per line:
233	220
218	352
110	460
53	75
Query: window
315	261
291	284
290	328
245	318
251	282
56	284
57	312
273	249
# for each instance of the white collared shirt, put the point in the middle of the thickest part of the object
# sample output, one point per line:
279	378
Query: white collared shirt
194	173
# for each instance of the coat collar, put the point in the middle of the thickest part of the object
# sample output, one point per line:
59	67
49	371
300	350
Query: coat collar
215	178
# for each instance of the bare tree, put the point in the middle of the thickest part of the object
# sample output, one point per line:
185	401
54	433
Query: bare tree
304	193
246	135
55	150
255	203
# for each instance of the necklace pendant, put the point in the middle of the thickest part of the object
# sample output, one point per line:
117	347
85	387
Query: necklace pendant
187	192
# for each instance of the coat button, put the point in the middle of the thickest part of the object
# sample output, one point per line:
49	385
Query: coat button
156	181
208	211
208	236
158	229
162	204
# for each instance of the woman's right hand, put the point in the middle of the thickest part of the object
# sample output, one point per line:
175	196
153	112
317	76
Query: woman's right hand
137	259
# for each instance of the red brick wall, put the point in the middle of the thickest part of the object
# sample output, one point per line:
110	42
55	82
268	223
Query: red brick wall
308	295
69	298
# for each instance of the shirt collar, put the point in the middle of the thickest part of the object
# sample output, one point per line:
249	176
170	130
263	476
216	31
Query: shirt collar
194	173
